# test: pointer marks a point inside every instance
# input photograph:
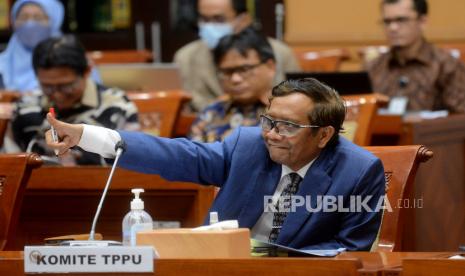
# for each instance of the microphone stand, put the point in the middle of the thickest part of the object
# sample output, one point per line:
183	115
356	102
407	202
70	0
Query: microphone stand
120	147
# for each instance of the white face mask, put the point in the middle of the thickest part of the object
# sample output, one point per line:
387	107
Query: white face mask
211	33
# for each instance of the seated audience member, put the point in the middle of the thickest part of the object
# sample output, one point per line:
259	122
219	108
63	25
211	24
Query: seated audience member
32	21
63	72
430	78
218	18
246	68
296	153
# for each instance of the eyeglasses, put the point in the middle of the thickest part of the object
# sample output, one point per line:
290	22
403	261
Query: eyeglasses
244	71
67	88
283	128
401	20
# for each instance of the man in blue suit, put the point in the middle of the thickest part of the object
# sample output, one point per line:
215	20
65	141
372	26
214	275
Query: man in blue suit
270	178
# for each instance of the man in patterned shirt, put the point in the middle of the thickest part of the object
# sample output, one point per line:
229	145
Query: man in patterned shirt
246	69
63	73
218	18
430	78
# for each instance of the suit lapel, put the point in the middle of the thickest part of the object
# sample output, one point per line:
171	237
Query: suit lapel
315	183
265	184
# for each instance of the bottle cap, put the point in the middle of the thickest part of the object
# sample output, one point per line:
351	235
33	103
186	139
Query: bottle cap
137	203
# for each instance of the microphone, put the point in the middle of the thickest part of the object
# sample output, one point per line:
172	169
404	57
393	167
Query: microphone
120	147
403	81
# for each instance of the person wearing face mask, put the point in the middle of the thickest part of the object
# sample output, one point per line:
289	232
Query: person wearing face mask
32	21
218	18
246	68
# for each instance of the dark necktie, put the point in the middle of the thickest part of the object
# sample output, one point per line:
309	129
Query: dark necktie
280	215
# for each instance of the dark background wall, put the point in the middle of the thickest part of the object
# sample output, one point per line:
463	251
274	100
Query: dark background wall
177	19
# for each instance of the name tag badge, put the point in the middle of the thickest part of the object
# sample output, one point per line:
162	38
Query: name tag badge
63	259
398	105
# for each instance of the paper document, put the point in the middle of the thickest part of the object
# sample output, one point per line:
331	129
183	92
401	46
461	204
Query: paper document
262	248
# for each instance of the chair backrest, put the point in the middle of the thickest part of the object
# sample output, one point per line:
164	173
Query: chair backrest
369	53
321	60
15	170
456	50
361	111
400	166
6	100
159	110
120	56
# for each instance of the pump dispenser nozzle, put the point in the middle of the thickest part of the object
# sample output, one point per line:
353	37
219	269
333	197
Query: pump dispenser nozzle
137	203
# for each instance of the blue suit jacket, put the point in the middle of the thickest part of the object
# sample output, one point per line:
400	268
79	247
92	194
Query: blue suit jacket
241	166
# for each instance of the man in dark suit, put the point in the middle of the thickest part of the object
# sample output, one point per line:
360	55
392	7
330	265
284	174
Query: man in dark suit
270	178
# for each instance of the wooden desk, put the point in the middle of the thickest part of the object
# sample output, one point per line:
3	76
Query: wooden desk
433	267
351	263
62	201
440	183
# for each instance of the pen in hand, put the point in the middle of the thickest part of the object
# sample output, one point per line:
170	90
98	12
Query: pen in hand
54	132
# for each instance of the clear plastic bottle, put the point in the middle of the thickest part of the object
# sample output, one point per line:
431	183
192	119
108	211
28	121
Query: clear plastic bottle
137	219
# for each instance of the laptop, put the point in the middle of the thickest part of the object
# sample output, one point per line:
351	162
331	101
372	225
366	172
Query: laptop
141	76
345	83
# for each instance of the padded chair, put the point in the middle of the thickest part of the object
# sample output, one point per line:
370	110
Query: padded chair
6	100
15	170
120	56
159	110
361	112
400	166
369	53
321	60
456	50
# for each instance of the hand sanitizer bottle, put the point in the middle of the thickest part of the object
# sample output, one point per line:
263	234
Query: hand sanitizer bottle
137	219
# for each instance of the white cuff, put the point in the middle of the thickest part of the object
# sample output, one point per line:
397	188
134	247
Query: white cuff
99	140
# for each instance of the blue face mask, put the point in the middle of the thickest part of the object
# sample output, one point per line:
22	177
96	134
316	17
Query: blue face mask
32	33
211	33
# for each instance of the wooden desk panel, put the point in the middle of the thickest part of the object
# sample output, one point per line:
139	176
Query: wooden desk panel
428	267
440	183
350	263
440	224
62	201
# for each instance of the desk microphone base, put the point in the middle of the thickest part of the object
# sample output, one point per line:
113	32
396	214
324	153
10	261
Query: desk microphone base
91	243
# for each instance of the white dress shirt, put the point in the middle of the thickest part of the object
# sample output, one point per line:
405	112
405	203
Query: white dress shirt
99	140
261	230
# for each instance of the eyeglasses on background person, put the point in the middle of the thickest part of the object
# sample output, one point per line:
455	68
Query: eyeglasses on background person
244	71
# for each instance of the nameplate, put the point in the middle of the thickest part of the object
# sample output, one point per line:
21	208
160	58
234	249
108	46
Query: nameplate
61	259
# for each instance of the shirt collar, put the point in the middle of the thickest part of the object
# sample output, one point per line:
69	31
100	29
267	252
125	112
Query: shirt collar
90	97
302	172
423	55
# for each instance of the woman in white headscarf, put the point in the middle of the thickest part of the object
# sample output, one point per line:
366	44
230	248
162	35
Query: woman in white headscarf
32	21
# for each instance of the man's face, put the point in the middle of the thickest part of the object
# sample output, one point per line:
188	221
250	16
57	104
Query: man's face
402	25
62	86
216	11
246	79
295	151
